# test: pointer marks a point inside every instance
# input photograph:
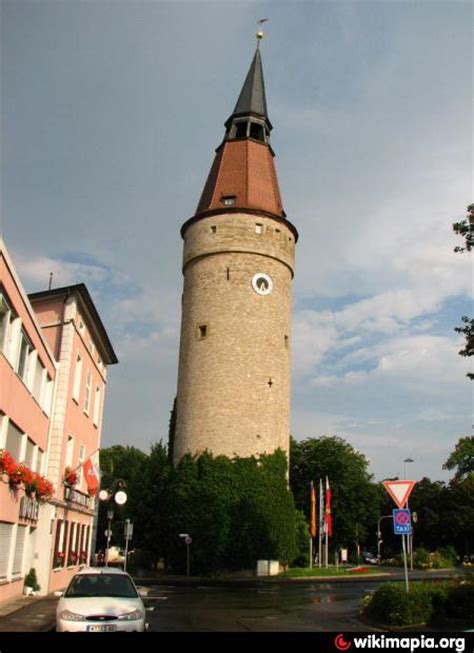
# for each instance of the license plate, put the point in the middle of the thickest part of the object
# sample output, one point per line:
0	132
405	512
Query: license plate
102	628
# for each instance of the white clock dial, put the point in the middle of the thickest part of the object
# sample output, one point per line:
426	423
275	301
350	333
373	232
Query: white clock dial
262	283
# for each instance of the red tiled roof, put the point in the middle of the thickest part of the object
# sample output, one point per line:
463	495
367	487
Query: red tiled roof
244	169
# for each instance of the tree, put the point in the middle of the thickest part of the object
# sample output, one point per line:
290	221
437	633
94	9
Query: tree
172	432
430	500
468	332
124	465
152	511
355	498
236	510
465	229
462	458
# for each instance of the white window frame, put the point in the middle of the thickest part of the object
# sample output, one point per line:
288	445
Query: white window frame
6	538
87	399
76	388
69	451
97	402
22	440
23	340
47	394
82	457
19	554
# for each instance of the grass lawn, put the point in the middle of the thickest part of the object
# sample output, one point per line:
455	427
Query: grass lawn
300	572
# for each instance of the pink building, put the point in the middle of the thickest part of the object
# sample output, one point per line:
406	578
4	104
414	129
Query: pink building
53	374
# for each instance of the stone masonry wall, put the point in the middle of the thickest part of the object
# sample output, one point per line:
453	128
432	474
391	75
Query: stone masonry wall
234	383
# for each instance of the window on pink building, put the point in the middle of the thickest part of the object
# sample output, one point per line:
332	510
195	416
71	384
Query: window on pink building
77	379
25	350
87	401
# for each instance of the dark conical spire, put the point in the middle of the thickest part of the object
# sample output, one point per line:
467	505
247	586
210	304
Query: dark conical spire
252	96
243	178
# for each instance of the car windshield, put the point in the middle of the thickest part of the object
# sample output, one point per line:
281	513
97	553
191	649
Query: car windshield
90	585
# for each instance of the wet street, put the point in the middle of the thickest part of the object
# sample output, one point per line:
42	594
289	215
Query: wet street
259	607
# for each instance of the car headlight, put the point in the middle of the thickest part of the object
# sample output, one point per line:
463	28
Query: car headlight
131	616
67	615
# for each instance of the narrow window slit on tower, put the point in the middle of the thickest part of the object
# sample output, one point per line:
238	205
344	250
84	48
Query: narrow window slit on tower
213	229
270	382
228	274
228	200
286	342
202	330
258	228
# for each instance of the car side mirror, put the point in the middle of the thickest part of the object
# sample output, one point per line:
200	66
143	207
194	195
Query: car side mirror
58	593
143	593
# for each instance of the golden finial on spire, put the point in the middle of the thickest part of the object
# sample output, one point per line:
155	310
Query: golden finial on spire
259	34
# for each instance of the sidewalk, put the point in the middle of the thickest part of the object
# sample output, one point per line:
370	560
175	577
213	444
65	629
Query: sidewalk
27	614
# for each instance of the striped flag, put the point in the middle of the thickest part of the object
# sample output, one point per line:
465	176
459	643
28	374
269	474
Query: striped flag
328	515
313	511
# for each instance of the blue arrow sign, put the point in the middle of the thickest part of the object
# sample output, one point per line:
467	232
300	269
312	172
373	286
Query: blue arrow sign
402	522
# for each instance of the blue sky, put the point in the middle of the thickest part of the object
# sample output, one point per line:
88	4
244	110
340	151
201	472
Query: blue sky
110	113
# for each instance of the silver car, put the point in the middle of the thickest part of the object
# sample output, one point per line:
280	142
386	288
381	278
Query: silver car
100	600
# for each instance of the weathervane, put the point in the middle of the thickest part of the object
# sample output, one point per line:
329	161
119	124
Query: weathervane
259	34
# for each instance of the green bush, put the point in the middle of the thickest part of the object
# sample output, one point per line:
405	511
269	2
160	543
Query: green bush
392	606
460	602
448	554
32	581
438	593
421	558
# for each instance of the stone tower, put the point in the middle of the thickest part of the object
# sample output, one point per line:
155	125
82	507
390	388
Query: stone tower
234	362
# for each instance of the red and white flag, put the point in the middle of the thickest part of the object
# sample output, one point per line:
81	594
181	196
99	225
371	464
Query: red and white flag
92	473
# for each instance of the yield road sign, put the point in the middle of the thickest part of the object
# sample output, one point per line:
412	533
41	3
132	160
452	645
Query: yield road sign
402	522
399	491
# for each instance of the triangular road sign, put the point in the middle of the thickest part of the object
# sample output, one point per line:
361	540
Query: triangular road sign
399	491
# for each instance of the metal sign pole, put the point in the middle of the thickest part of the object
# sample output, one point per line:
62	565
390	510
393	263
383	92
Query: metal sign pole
127	533
405	562
187	560
109	533
310	552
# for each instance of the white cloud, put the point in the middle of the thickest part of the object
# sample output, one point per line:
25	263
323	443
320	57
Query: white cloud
35	272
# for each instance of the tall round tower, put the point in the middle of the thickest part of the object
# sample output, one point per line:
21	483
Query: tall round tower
234	362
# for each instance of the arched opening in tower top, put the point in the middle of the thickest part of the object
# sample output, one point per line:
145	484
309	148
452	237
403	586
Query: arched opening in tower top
240	129
256	131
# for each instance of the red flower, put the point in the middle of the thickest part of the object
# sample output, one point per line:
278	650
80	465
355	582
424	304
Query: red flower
45	488
70	476
7	462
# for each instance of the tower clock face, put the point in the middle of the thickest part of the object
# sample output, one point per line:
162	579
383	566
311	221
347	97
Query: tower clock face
262	283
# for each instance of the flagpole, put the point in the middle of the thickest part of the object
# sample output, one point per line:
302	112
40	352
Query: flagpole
85	460
312	528
327	534
320	552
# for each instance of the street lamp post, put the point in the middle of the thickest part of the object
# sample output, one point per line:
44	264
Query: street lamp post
119	498
187	540
409	537
110	516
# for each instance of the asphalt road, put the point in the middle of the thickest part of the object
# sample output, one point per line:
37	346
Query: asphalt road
259	608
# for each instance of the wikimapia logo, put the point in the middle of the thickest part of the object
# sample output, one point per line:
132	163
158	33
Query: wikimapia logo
383	642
